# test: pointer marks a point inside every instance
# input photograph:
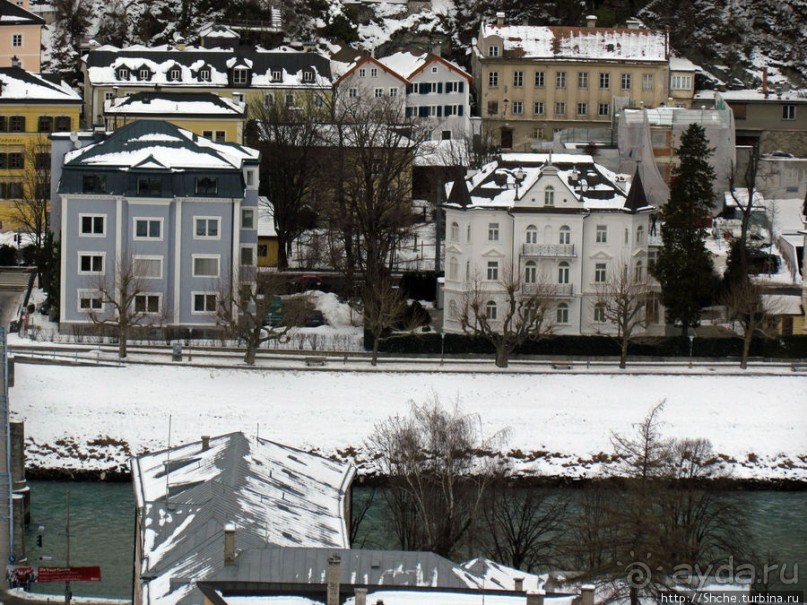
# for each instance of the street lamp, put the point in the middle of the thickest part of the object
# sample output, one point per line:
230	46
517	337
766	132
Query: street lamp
442	346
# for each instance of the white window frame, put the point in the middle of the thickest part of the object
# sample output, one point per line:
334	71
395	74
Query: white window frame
600	273
378	92
549	196
539	108
16	40
599	313
194	294
680	82
493	51
393	91
138	258
491	310
531	234
352	93
216	257
626	81
207	218
560	108
540	79
148	295
518	107
565	235
455	231
91	295
240	75
362	72
530	272
143	74
560	79
81	218
562	314
253	214
518	79
564	272
582	79
453	268
601	234
174	74
605	80
582	109
253	248
604	109
91	254
148	220
647	81
373	72
492	271
493	79
493	232
788	112
204	75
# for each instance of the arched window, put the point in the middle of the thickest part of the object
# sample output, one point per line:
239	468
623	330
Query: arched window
468	234
639	235
530	272
599	313
452	310
455	232
563	313
565	235
563	273
453	268
491	310
549	196
638	271
467	270
532	234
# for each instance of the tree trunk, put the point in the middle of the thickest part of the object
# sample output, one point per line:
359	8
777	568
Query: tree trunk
502	357
249	355
374	358
122	334
623	354
282	255
747	338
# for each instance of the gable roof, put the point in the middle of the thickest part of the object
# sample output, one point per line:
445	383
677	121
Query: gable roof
160	144
273	495
11	14
364	60
174	103
409	64
579	43
18	85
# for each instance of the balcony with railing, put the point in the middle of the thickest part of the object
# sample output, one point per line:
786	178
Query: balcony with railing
548	290
548	250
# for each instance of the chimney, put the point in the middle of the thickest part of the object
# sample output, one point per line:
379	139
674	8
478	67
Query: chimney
535	597
519	584
361	596
500	18
333	578
205	442
587	594
229	544
591	20
15	61
437	50
633	23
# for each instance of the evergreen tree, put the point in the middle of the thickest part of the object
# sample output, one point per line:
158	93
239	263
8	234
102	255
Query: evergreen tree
72	20
684	266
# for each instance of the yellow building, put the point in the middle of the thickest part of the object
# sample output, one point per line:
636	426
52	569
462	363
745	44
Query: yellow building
31	108
532	81
203	113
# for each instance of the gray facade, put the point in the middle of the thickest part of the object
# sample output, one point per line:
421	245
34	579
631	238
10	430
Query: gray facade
176	212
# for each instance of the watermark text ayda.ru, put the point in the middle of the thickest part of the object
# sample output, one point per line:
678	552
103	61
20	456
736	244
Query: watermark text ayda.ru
639	574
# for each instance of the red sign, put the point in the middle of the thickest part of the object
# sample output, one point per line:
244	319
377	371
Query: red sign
69	574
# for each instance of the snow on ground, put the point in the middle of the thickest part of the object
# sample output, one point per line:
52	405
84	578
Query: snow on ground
93	417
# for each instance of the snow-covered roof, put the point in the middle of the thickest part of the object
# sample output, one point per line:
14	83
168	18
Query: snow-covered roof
754	95
18	85
682	64
295	68
271	493
783	304
216	30
406	597
579	43
162	145
494	575
174	104
12	14
407	64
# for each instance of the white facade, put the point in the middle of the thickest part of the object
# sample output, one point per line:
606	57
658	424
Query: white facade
565	227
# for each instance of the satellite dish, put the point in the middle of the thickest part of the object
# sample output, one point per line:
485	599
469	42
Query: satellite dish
74	136
78	144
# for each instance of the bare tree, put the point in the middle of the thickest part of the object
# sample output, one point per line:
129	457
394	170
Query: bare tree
243	311
744	304
122	302
620	301
30	210
508	315
745	203
384	310
436	481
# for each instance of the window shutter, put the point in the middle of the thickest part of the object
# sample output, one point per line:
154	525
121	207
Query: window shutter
447	110
439	111
440	88
462	86
459	109
423	112
424	88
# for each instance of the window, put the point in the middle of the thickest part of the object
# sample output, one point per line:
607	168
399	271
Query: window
277	75
455	232
652	255
452	309
560	79
373	72
599	313
539	79
530	272
788	112
290	100
602	234
518	79
493	232
445	135
603	109
532	234
42	160
263	250
90	300
638	271
16	160
16	124
538	108
269	100
123	73
627	235
143	74
493	108
582	79
204	75
63	124
560	109
493	79
174	74
147	185
44	124
92	224
565	235
647	82
239	75
16	40
453	268
90	264
562	313
454	87
11	190
148	228
599	273
434	70
625	80
563	273
248	218
549	196
247	256
205	266
393	92
652	310
147	303
148	267
582	109
605	80
109	96
206	228
308	75
206	185
493	270
639	235
93	183
518	107
362	73
352	93
378	92
468	234
491	312
204	302
681	82
493	51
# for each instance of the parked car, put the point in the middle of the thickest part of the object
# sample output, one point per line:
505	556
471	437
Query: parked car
314	319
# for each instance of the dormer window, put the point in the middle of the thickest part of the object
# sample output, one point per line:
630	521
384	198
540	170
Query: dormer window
493	51
144	74
175	74
123	73
308	76
240	75
204	74
277	75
